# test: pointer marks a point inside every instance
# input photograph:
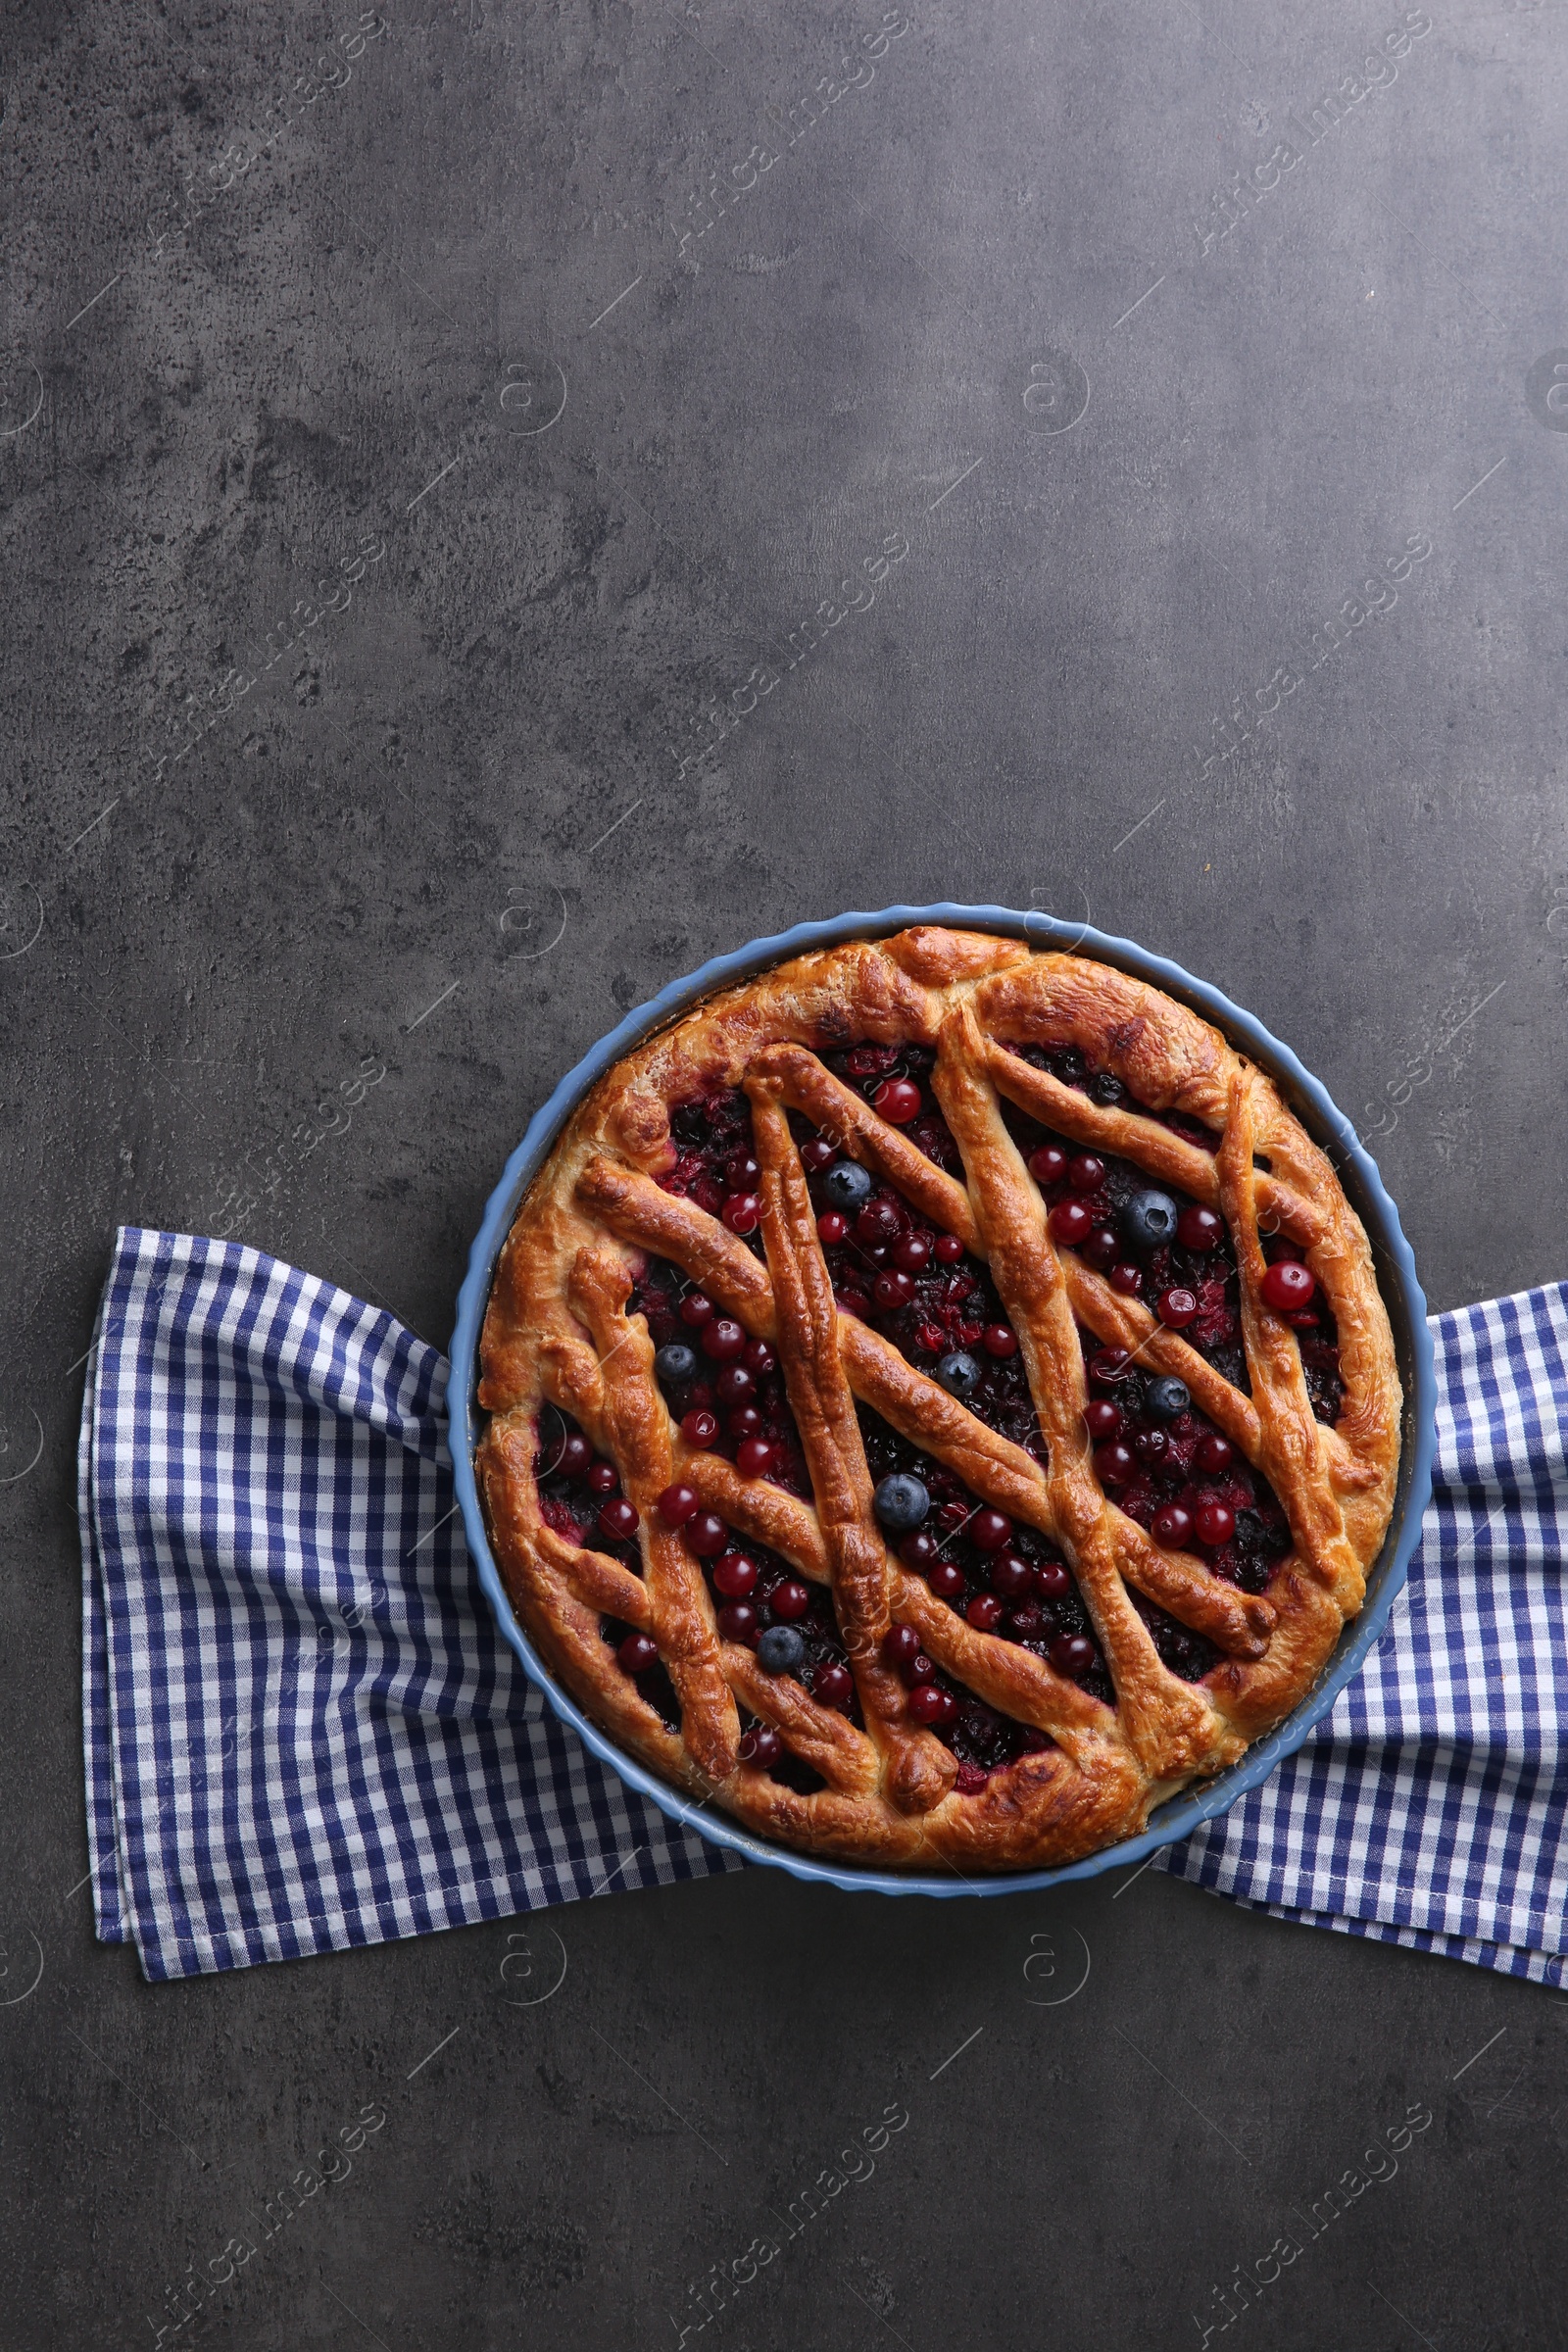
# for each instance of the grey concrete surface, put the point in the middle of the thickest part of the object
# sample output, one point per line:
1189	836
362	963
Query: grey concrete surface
626	334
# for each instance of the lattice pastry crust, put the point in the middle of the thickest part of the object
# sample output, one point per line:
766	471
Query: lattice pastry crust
888	1791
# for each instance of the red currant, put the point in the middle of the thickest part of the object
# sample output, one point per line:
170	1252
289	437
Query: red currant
918	1550
1011	1577
1287	1287
945	1579
758	1358
1128	1278
744	1422
1173	1527
931	1707
1199	1230
696	1308
990	1531
734	1575
789	1600
617	1519
1177	1309
913	1252
984	1612
892	1291
831	1227
742	1213
603	1477
677	1504
1213	1453
707	1534
1072	1654
833	1685
735	1385
1071	1222
637	1653
997	1340
1102	1419
1113	1464
897	1100
900	1646
947	1248
722	1340
1217	1522
754	1457
879	1221
698	1428
1051	1580
737	1621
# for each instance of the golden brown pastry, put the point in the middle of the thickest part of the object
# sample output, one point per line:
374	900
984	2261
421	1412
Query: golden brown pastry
941	1403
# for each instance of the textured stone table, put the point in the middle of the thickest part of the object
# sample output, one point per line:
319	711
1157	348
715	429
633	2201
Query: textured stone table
431	462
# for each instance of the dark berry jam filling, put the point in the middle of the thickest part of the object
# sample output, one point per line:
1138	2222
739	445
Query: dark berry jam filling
983	1740
652	1682
1070	1066
896	1080
1150	1464
1186	1654
753	1590
716	1168
731	1403
1212	1322
922	1290
998	1574
1317	1335
580	1493
1191	1286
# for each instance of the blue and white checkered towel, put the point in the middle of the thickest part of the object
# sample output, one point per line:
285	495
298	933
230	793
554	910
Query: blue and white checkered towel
303	1728
303	1732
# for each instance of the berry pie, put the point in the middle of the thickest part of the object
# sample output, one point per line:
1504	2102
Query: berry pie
940	1404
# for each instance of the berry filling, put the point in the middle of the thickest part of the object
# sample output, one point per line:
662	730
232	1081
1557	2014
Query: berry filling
1000	1576
1166	1465
922	1290
1107	1210
1068	1065
639	1660
1151	1244
713	1165
1317	1334
579	1493
896	1080
726	1389
1186	1654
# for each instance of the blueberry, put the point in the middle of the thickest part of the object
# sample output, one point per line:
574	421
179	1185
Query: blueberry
846	1186
780	1649
1164	1400
959	1374
900	1503
675	1364
1149	1220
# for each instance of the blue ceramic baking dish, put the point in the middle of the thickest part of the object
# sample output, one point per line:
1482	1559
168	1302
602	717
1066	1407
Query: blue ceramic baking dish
1363	1187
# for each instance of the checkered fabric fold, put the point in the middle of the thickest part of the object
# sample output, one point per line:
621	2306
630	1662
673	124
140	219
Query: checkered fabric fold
303	1728
303	1731
1427	1808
